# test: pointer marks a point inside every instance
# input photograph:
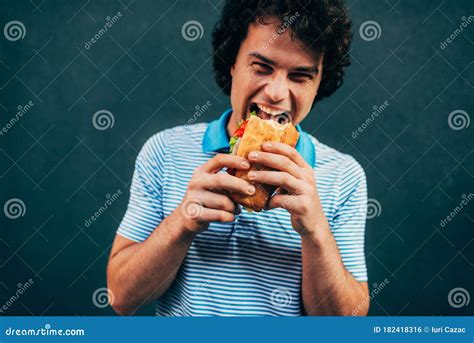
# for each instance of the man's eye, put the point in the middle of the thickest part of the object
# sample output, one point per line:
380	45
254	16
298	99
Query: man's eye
261	68
300	77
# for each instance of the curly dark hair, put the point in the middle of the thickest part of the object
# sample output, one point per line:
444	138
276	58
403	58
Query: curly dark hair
321	25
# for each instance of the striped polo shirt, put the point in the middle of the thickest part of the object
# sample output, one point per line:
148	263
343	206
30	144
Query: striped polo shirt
252	266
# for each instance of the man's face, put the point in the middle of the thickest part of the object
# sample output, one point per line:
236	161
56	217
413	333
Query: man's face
273	75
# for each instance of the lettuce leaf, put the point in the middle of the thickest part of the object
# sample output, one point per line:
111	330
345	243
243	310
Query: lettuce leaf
234	139
232	142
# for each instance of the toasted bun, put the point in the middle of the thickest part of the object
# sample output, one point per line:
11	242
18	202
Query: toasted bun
257	132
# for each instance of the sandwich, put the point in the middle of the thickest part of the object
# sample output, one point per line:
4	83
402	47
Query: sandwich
249	136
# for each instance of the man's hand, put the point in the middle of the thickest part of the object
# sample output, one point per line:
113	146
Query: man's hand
327	287
205	200
141	272
294	177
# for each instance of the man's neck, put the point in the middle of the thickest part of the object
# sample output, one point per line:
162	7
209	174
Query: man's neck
231	126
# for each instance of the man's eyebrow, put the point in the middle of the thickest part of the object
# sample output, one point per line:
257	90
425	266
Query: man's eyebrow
312	69
263	58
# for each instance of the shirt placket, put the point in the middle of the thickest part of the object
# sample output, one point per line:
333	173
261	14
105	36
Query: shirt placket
244	225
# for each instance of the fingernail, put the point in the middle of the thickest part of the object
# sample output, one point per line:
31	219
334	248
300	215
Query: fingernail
245	164
267	145
253	154
252	174
251	189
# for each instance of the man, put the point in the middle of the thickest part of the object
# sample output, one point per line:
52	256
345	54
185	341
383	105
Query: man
184	243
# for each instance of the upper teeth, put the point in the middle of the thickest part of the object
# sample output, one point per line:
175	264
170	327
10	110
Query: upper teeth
269	110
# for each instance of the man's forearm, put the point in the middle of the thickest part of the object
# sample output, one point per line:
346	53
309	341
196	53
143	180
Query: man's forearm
142	272
327	287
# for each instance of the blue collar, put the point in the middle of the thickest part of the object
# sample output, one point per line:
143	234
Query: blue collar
216	139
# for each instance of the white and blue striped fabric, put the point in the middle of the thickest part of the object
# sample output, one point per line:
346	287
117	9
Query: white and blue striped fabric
253	265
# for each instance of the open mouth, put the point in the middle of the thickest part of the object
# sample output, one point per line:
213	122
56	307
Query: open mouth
268	113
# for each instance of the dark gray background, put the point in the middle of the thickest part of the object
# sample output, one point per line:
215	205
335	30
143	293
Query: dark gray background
150	78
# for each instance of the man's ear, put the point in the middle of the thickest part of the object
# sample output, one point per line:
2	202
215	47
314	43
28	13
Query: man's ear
232	71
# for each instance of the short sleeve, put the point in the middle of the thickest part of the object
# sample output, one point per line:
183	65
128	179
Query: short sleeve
144	211
348	223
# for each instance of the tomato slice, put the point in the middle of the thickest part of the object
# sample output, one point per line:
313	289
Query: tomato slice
240	131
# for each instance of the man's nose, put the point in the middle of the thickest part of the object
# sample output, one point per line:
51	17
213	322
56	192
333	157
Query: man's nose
277	89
